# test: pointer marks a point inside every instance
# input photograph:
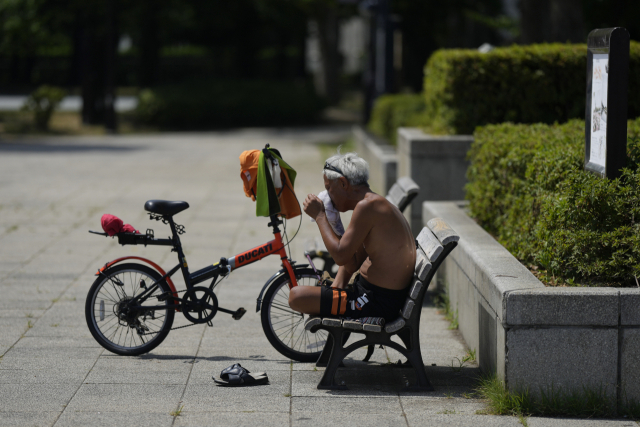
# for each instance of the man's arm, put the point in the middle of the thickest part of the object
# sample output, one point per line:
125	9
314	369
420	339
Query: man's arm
346	271
342	250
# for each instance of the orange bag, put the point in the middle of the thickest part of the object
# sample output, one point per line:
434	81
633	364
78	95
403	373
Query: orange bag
249	165
249	171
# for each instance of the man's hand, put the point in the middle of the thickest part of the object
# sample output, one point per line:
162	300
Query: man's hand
313	206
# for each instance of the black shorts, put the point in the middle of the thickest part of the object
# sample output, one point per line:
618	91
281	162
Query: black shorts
363	300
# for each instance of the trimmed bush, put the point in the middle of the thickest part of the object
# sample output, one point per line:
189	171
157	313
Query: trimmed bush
224	104
544	83
528	188
42	102
393	111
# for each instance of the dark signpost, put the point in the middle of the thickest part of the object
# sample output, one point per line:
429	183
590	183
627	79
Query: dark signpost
606	111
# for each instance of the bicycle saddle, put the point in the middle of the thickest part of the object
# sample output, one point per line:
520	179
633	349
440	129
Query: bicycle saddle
165	207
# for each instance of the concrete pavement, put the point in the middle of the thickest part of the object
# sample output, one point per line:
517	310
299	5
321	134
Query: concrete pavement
52	372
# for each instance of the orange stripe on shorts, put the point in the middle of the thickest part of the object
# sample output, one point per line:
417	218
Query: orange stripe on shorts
334	304
343	302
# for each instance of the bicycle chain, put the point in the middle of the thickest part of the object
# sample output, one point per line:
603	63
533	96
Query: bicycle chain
177	327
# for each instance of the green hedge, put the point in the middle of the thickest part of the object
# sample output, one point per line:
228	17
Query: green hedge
224	104
543	83
393	111
527	187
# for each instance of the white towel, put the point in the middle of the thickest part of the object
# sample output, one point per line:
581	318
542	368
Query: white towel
274	171
333	216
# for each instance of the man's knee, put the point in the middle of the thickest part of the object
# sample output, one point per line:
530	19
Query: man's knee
295	295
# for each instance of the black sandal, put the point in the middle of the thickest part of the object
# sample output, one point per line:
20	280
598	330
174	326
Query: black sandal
235	376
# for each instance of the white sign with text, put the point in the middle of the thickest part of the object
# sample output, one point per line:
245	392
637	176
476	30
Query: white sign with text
599	87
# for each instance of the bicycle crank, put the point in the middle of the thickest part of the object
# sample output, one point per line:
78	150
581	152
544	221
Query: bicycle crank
199	305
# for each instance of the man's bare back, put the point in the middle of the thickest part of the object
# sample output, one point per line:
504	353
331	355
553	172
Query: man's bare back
389	247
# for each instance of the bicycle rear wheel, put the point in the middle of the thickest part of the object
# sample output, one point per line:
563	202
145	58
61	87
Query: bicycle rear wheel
284	327
113	324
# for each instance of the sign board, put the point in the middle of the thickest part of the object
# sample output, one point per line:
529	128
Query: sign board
606	109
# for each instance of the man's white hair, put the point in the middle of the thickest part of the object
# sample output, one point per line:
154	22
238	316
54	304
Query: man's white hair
354	168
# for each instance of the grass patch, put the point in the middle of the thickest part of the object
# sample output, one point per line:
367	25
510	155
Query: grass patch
177	412
523	420
585	403
443	303
470	356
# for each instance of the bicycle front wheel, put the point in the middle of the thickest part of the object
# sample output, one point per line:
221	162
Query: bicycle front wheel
284	327
116	325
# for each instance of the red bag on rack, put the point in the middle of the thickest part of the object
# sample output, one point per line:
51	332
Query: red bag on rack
113	225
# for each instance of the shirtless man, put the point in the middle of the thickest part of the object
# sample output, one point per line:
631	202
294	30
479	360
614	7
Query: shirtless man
378	242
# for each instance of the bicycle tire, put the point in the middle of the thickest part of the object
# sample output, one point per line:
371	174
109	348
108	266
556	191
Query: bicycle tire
107	323
284	327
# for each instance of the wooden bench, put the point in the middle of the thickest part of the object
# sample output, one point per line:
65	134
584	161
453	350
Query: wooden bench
434	243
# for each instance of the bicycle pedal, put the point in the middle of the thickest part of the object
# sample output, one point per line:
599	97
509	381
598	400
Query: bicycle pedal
239	313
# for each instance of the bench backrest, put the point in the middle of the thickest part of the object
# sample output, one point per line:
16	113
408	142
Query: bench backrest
403	192
435	242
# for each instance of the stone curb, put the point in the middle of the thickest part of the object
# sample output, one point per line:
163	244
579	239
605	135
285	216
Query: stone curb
535	336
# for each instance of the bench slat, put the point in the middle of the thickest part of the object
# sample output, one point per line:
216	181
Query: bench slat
408	185
351	324
332	322
311	322
415	289
408	308
372	328
429	244
396	194
394	326
443	232
422	264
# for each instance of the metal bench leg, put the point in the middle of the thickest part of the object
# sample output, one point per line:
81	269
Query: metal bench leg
326	352
423	383
337	354
411	340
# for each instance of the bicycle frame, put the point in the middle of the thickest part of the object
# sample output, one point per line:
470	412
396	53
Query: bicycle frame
224	267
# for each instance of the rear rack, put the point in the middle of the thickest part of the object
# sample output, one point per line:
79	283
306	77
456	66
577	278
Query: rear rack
138	239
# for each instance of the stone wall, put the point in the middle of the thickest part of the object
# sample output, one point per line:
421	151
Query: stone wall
436	163
381	157
534	336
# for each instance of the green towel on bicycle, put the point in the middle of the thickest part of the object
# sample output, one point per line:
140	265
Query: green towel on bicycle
274	186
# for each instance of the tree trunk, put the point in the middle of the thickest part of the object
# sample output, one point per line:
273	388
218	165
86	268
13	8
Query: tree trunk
92	59
551	21
111	55
331	64
149	45
535	22
567	21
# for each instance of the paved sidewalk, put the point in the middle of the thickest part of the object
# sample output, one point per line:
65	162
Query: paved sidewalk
52	372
